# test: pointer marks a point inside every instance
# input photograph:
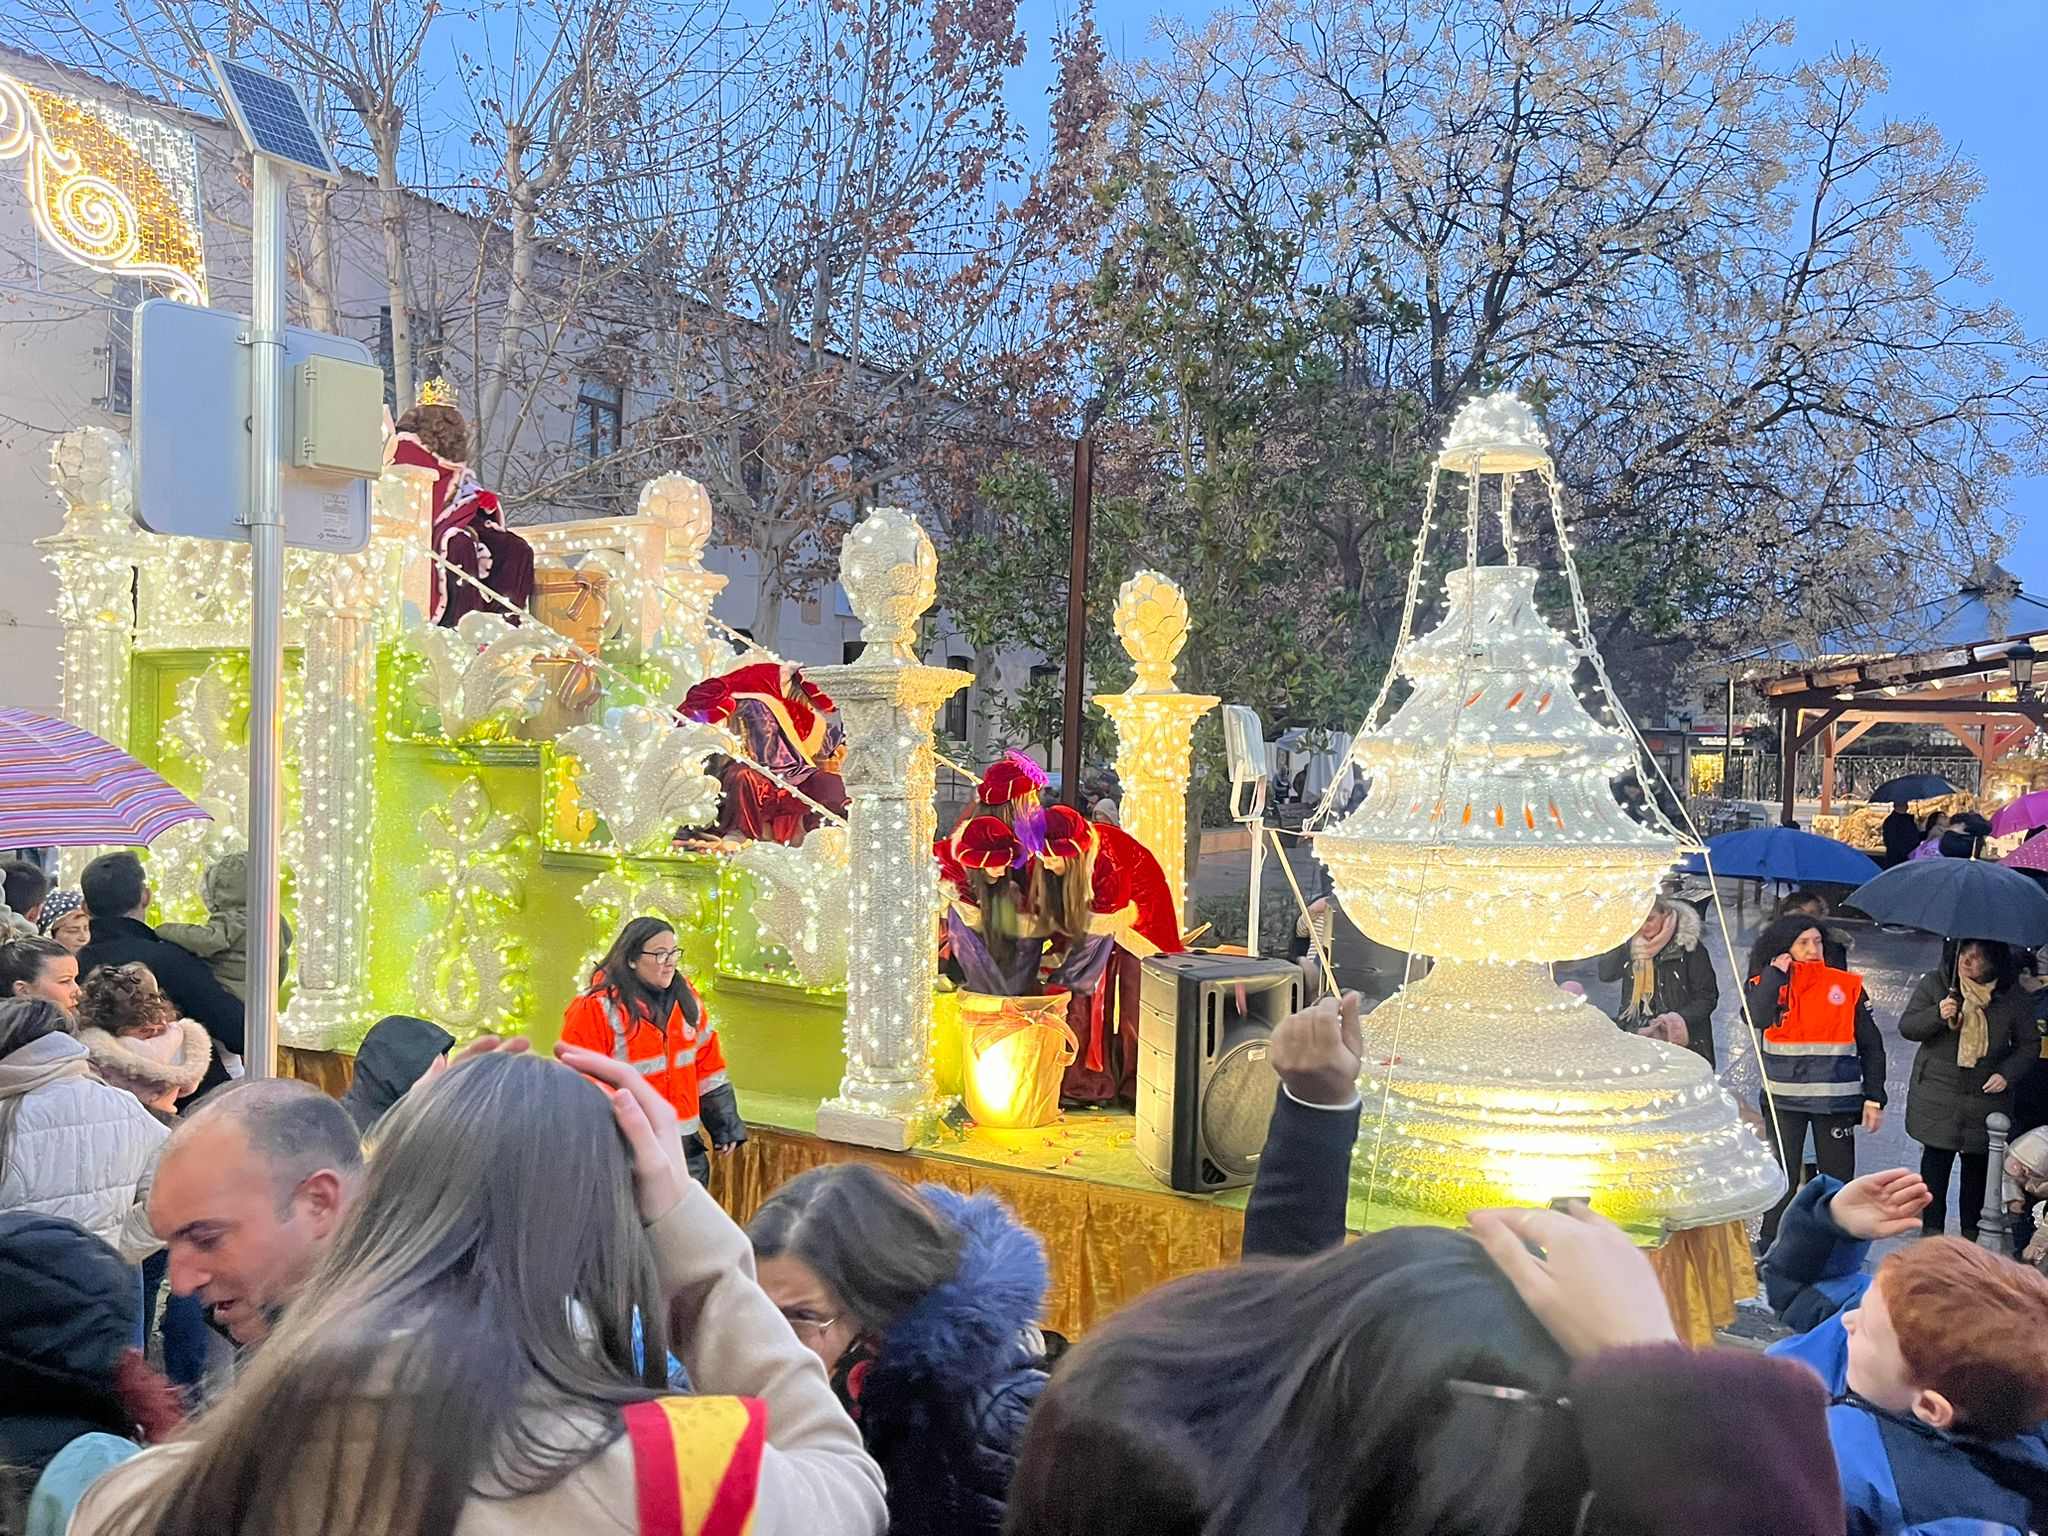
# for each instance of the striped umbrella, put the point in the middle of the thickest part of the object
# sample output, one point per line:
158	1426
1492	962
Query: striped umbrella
63	787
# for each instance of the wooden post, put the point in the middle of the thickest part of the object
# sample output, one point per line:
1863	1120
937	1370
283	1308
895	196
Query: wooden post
1994	1226
1077	623
1788	759
1827	770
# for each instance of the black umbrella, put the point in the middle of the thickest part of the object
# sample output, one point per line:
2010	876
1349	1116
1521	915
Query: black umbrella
1959	899
1911	787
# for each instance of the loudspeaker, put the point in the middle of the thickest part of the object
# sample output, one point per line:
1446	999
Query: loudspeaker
1205	1085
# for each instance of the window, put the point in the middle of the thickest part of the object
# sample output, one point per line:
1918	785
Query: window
955	722
427	354
120	350
600	419
1044	674
850	651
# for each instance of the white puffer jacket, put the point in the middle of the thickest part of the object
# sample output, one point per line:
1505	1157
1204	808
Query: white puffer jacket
79	1149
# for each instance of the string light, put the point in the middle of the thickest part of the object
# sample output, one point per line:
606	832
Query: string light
888	700
1490	838
109	191
1155	723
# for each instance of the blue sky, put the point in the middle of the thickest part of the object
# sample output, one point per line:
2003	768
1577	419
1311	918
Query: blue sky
1969	66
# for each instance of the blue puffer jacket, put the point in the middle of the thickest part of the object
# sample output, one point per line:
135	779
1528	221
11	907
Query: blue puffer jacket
1899	1477
943	1405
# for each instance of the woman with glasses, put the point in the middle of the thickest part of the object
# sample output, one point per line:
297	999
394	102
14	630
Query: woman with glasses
923	1305
641	1009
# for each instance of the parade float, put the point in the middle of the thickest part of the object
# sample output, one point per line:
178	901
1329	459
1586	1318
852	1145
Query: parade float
472	812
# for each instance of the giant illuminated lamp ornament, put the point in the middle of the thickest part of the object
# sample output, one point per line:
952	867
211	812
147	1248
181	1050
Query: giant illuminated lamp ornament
1491	840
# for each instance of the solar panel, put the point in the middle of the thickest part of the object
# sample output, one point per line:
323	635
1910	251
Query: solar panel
272	117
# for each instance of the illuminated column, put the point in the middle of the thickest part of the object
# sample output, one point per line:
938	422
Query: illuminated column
336	752
95	557
1155	724
888	700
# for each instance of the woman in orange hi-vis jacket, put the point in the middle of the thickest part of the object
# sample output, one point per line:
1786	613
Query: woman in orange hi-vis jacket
641	1009
1823	1059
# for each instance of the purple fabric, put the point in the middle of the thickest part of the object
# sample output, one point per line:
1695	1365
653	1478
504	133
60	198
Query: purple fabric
979	969
1080	970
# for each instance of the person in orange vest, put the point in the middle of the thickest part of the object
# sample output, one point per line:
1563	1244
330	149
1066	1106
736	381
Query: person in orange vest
1823	1058
642	1010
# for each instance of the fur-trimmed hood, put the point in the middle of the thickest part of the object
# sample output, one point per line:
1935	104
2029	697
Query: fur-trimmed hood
123	1062
968	1333
1687	934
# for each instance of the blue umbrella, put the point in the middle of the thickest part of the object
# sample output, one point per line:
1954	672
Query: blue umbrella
1959	899
1783	853
1913	786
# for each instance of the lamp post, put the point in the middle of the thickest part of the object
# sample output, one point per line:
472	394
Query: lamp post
2020	662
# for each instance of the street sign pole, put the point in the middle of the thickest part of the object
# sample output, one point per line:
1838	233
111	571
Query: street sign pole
266	590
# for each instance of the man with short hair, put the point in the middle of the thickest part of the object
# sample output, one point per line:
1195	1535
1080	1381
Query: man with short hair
249	1191
117	898
39	968
26	886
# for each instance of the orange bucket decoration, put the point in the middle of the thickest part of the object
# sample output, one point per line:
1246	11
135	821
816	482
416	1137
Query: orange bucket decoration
1014	1052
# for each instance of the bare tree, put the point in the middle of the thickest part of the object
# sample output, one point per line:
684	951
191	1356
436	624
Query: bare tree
1748	300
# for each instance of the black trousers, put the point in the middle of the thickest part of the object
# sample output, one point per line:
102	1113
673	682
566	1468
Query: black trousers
1935	1163
1834	1152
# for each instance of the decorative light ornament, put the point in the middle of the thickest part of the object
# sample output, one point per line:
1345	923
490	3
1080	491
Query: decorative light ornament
471	975
1155	724
888	700
644	774
480	675
800	902
108	190
1490	838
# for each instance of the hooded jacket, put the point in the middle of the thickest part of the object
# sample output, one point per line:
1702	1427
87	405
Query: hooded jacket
69	1309
183	978
394	1055
222	941
1899	1476
943	1404
157	1071
78	1149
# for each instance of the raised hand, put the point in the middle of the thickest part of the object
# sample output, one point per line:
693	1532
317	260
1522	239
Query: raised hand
1317	1052
660	1171
1585	1281
1886	1204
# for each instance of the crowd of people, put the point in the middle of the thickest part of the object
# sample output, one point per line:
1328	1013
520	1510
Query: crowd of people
489	1291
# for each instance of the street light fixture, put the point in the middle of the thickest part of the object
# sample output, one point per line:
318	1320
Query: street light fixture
2020	661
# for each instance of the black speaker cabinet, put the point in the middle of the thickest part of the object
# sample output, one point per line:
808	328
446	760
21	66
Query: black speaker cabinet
1205	1086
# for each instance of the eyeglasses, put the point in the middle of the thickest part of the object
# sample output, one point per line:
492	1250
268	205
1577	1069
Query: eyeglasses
660	956
802	1320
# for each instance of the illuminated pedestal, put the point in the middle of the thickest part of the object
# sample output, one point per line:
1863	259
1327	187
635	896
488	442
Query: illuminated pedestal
1506	1089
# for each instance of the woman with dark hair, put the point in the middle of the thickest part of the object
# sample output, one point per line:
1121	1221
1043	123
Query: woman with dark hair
465	1359
1823	1058
1834	946
641	1009
923	1305
1977	1039
1400	1385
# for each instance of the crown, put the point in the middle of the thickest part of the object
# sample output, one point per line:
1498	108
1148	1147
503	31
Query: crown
436	391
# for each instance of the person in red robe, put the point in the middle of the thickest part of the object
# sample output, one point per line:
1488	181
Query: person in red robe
780	716
1108	906
468	529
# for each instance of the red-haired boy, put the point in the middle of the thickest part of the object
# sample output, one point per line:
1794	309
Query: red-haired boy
1938	1362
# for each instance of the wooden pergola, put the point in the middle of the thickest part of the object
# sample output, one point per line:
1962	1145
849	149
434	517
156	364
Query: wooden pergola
1837	702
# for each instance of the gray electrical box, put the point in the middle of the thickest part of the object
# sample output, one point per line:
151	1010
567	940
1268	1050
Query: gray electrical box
194	469
338	418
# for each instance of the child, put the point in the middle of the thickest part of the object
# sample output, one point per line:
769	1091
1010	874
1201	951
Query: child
1939	1378
136	1040
222	941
